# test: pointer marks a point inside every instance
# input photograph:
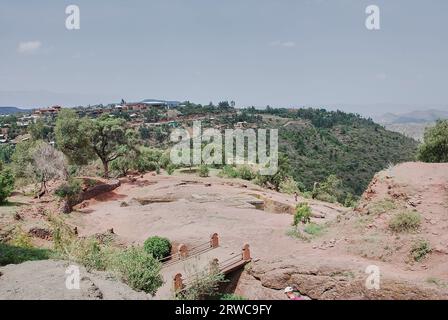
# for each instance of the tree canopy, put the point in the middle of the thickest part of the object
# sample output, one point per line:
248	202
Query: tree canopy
435	143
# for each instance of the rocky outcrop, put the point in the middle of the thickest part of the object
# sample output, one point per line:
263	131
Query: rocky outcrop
46	280
326	282
90	193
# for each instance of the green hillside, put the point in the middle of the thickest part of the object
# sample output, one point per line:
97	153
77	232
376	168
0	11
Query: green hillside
319	143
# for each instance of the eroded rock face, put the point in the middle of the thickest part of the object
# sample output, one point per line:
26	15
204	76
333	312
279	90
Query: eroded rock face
46	280
327	283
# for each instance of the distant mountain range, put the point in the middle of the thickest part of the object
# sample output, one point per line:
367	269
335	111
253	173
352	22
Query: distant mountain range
11	110
424	116
412	124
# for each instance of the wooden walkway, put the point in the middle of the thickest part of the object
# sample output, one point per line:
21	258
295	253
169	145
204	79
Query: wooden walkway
182	268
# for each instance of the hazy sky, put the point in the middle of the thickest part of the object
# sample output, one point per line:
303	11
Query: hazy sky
256	52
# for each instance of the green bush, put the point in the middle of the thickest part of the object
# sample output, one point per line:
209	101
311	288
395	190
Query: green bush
289	186
203	171
245	172
381	206
204	284
150	160
420	249
405	221
20	238
170	168
158	247
69	189
90	254
435	143
314	229
138	269
229	172
6	184
350	201
329	190
122	165
303	214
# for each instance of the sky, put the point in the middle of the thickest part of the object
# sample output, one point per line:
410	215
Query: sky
283	53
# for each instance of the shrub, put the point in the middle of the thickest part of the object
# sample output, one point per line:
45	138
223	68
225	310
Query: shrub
435	143
314	229
350	201
20	238
90	254
420	249
69	189
203	285
245	172
6	184
382	206
122	165
228	171
170	168
302	215
297	234
329	190
405	221
150	160
289	186
203	171
322	196
158	247
138	269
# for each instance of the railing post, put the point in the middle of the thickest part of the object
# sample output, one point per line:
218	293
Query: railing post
183	251
246	253
214	240
177	282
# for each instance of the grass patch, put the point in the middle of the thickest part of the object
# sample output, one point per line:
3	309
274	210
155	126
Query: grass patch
437	282
10	254
405	221
296	234
382	206
314	229
420	249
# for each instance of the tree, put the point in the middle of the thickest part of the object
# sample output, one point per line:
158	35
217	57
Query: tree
81	139
152	115
6	152
435	143
22	161
6	183
108	139
71	137
49	164
40	131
